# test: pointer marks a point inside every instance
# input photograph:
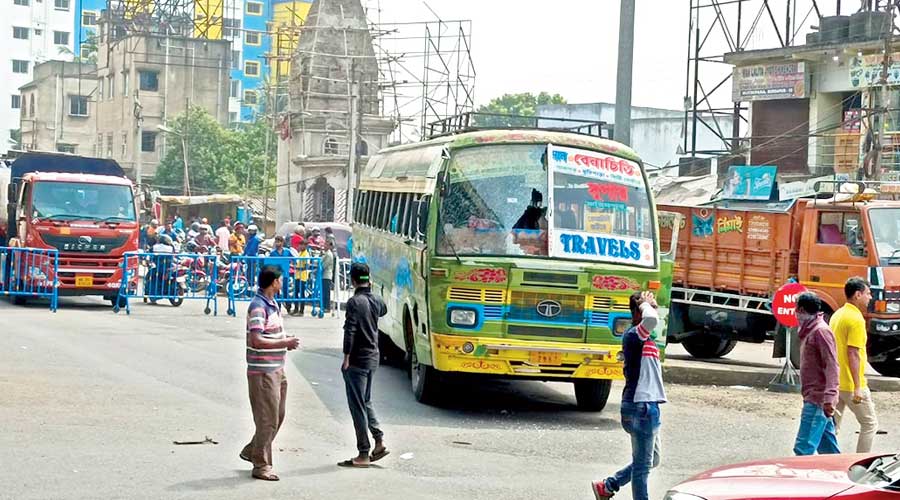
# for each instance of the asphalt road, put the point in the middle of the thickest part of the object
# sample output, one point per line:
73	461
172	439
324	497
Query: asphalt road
91	402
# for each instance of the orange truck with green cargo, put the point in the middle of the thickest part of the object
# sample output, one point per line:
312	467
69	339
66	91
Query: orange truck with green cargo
733	255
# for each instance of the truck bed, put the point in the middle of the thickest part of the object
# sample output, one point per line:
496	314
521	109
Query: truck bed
745	248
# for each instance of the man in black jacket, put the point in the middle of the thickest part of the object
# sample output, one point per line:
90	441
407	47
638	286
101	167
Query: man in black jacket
360	361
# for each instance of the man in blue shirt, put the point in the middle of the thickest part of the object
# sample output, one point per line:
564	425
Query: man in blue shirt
251	249
280	257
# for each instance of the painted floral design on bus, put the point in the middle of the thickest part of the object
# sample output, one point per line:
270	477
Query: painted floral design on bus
614	283
485	275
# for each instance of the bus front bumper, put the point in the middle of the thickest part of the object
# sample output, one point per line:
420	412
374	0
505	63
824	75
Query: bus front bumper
526	359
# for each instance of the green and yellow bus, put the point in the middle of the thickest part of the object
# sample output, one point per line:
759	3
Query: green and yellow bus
510	253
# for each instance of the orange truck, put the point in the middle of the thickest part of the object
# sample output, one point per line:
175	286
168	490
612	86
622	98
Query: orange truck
733	255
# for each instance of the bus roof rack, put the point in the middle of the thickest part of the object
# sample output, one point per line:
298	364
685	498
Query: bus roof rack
474	121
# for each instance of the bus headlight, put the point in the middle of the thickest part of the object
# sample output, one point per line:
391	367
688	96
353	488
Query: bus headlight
621	325
463	317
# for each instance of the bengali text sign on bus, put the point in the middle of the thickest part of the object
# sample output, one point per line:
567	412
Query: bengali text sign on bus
582	245
595	165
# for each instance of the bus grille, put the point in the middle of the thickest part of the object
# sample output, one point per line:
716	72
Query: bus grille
617	304
523	307
482	295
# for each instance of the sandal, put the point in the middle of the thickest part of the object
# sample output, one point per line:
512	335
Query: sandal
353	465
266	476
378	455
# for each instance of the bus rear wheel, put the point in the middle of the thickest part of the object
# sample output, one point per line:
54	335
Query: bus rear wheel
592	395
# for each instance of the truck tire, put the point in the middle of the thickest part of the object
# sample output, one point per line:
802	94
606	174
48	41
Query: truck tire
887	368
706	346
20	300
592	395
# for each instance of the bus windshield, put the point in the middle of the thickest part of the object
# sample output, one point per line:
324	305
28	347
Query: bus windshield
886	233
82	201
495	202
498	202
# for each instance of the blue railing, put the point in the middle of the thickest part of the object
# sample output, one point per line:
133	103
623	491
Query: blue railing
301	280
170	277
29	273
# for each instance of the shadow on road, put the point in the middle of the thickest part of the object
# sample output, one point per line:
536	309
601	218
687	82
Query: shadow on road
237	478
482	402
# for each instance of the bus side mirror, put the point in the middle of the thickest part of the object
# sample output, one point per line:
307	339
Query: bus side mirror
422	217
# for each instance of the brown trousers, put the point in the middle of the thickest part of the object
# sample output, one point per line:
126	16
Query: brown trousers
268	393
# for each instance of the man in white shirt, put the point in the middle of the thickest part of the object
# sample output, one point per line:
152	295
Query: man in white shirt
223	235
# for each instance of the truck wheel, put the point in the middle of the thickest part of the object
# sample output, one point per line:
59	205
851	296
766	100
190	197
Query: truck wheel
20	300
706	346
887	368
117	301
591	395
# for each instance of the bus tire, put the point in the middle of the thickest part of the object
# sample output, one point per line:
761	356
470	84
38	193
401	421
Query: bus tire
592	395
424	380
708	346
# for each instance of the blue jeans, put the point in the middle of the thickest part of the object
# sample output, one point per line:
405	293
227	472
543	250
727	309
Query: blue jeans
641	421
816	432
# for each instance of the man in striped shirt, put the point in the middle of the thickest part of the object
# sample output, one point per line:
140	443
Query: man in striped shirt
640	400
267	346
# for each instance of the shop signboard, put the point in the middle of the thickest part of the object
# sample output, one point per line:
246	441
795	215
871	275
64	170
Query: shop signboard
769	81
749	182
865	71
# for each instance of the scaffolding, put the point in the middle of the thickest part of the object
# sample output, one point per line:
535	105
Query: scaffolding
426	73
720	27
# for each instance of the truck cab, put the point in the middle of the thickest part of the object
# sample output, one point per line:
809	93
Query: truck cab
846	239
84	208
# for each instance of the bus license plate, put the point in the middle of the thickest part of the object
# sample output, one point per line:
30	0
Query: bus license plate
84	281
545	358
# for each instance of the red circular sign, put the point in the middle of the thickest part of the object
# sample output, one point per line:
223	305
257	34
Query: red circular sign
784	302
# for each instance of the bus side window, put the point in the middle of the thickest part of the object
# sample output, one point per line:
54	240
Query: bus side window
421	221
363	203
405	214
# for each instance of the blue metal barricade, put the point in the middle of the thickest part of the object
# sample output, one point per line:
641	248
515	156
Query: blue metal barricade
171	277
29	273
301	280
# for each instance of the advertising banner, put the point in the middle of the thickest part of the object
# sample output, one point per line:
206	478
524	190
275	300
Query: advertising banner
601	247
769	81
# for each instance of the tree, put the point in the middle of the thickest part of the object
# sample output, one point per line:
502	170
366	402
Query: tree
15	139
518	105
219	160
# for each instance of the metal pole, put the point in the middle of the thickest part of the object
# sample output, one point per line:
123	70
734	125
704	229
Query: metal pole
885	67
696	83
184	145
624	72
354	132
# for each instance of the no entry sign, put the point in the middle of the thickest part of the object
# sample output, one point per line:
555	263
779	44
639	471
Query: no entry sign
784	302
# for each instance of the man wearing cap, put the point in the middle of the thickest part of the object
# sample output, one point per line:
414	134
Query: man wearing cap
360	361
252	247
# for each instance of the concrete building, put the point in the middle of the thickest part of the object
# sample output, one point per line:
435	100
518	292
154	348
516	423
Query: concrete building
59	110
32	31
154	77
334	60
259	30
656	134
809	105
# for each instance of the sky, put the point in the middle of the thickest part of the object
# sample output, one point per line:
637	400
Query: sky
563	46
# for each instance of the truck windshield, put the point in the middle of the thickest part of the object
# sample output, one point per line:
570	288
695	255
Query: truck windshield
494	203
885	224
82	200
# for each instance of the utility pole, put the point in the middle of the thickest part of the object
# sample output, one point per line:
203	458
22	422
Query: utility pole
623	72
184	145
354	142
885	69
138	141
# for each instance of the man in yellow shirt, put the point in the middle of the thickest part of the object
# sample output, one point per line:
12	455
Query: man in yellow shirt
849	327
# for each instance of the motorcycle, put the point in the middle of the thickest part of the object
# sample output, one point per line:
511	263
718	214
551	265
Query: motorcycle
167	281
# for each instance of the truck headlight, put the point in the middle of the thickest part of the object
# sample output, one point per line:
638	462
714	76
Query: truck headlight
676	495
462	317
882	327
893	307
620	325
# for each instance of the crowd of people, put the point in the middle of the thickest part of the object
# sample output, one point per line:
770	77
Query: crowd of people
292	254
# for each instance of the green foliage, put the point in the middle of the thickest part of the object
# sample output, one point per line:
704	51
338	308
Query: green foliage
15	135
220	160
519	105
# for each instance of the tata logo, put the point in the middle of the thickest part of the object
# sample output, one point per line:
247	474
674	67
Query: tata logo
549	308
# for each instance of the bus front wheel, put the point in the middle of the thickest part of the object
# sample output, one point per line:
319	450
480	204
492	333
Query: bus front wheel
591	395
424	380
